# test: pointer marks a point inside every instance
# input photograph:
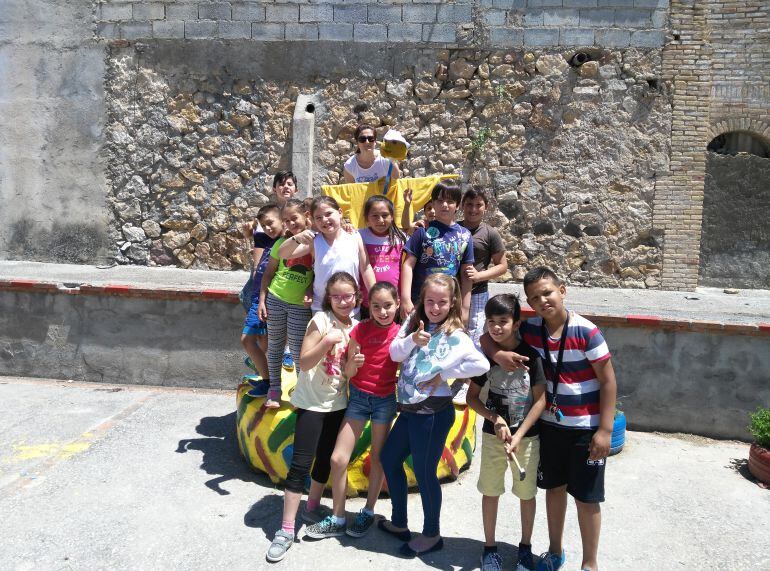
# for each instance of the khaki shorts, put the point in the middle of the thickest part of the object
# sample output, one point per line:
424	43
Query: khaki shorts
494	463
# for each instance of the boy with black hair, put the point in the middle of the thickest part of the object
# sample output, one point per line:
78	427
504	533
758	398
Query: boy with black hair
514	403
576	425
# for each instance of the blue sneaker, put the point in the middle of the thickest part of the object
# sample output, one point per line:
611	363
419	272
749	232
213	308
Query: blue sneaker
491	562
525	561
288	362
551	561
257	386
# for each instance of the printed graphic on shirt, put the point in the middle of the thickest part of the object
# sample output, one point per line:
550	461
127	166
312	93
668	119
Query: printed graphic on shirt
425	364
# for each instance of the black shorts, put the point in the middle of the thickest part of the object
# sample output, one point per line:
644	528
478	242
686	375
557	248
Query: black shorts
564	460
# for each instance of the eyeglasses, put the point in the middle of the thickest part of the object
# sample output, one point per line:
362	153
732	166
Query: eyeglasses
365	139
344	298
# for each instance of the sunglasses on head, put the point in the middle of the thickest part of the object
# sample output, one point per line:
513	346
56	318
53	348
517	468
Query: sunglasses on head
367	139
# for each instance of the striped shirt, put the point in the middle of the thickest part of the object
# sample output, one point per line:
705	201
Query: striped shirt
578	396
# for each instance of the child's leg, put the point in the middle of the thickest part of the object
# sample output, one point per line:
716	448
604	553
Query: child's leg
346	440
276	338
394	453
327	437
306	435
489	516
376	475
556	511
590	522
528	510
253	347
298	318
427	438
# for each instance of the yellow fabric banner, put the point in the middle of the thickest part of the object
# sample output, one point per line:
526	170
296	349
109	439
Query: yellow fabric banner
351	197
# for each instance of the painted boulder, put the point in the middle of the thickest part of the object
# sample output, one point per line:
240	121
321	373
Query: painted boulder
266	440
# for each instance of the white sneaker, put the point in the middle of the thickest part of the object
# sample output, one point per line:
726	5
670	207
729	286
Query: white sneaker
460	391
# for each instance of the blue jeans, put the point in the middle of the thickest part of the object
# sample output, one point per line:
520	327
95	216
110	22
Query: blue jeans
366	406
423	436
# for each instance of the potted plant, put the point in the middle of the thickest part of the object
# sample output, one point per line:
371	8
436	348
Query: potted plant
618	430
759	453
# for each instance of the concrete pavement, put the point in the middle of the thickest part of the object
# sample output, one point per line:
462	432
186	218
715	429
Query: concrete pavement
96	476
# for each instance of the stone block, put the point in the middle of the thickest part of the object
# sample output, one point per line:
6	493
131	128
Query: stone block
419	13
541	37
544	3
579	3
316	13
509	4
597	18
215	11
410	33
616	3
383	14
354	14
249	11
267	32
181	12
234	29
151	11
659	19
301	32
168	29
612	38
651	3
576	36
506	37
454	13
632	18
282	13
115	12
647	39
533	18
563	17
494	17
439	33
335	32
135	30
368	32
107	30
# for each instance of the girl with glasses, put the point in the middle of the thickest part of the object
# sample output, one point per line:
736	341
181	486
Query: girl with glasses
366	165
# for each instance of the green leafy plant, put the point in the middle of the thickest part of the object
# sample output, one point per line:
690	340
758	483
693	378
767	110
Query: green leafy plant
760	426
480	140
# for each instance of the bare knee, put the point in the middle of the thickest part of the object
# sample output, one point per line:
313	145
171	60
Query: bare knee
339	462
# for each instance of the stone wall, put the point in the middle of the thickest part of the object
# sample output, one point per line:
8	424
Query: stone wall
570	153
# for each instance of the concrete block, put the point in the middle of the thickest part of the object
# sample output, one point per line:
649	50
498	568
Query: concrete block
168	29
267	32
316	13
200	29
116	12
106	30
506	37
533	18
355	14
419	13
135	30
411	33
215	11
544	3
152	11
234	29
454	13
632	18
576	36
181	12
249	11
612	38
616	3
282	13
647	39
335	32
494	17
509	4
541	37
651	3
301	32
563	17
439	33
368	32
659	19
383	14
579	3
598	18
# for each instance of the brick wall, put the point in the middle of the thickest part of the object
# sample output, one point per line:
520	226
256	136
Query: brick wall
499	23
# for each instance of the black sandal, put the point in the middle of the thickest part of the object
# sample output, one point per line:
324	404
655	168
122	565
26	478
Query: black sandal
404	535
407	551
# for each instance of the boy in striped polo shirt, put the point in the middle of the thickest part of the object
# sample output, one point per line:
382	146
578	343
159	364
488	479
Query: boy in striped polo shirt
580	408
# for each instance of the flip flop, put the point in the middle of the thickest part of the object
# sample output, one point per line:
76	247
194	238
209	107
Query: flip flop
405	535
407	551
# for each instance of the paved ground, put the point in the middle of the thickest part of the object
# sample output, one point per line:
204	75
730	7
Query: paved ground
109	477
747	306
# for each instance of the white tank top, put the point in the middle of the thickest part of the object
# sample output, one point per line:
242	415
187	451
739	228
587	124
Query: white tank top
379	169
341	256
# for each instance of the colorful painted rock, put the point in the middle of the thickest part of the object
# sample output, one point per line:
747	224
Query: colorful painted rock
266	440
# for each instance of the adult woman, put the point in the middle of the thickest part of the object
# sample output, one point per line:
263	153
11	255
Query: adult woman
366	165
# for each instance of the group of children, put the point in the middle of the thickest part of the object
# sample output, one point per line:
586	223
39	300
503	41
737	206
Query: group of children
421	292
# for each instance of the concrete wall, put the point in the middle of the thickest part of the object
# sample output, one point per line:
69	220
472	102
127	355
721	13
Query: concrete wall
52	183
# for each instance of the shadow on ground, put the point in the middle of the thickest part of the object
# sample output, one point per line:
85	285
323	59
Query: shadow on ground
221	456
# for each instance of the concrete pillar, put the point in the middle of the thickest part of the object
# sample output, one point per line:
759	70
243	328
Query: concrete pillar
303	139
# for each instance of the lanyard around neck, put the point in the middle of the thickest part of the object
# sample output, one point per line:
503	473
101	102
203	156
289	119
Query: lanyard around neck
559	358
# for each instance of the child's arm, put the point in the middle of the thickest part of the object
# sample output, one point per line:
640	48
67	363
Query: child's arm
347	177
366	267
465	290
407	270
474	402
498	268
256	255
267	277
406	214
464	360
307	299
355	359
315	345
297	246
402	346
538	406
608	392
508	360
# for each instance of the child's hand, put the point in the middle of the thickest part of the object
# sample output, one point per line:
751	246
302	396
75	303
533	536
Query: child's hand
513	445
347	226
406	307
262	311
305	237
307	299
419	224
357	361
430	385
421	337
501	430
472	274
600	445
407	196
334	336
247	229
511	361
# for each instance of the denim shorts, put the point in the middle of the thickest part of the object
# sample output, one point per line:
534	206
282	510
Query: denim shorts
363	406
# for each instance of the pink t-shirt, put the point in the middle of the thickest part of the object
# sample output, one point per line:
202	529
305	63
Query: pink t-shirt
385	260
378	373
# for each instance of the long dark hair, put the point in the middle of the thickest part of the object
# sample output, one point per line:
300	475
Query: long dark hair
395	235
